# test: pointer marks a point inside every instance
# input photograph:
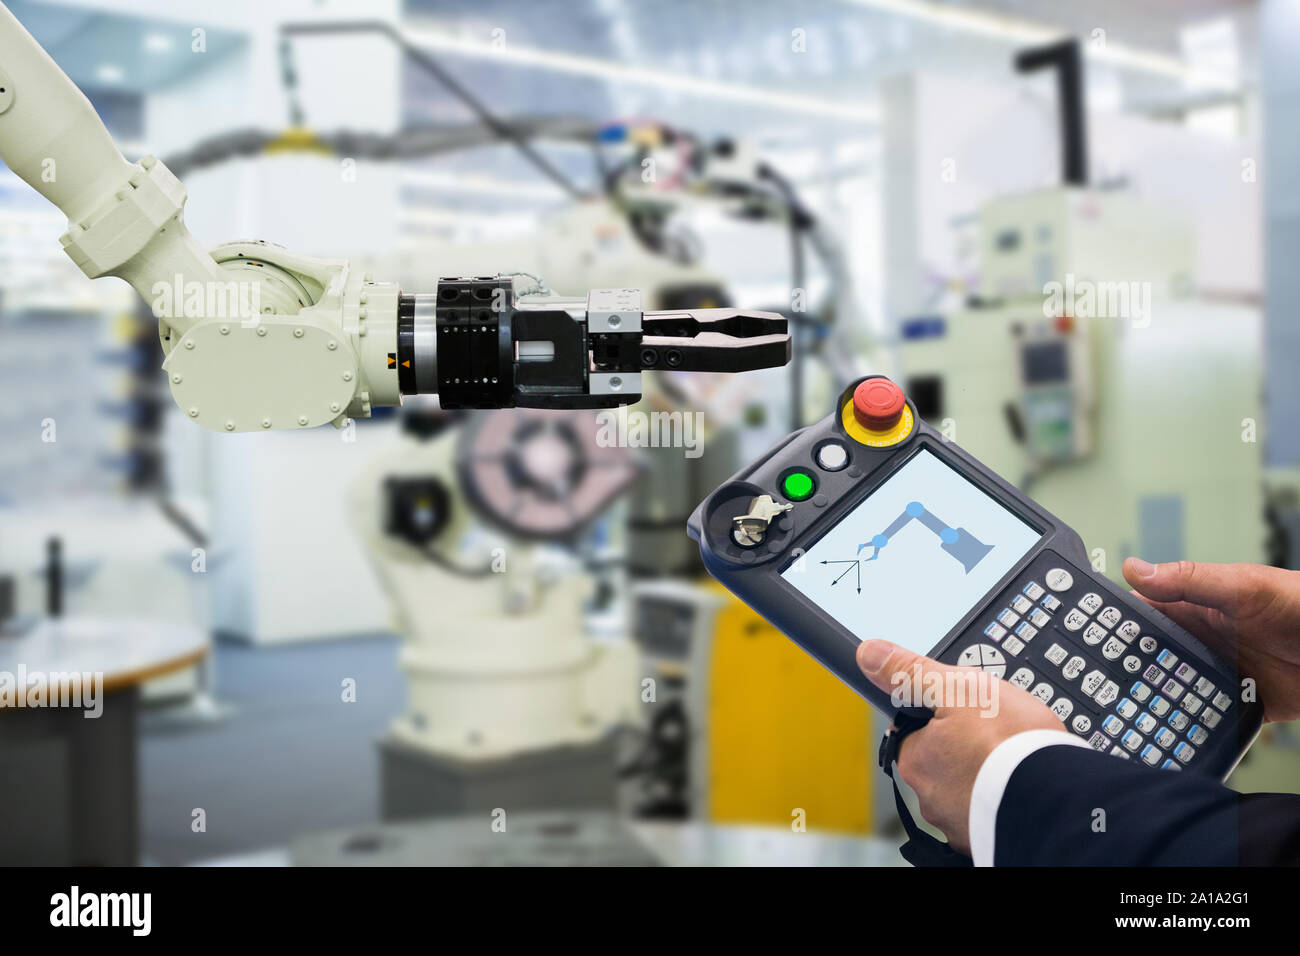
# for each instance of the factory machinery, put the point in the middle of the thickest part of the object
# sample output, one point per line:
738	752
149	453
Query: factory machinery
692	753
1116	394
1085	366
511	701
257	338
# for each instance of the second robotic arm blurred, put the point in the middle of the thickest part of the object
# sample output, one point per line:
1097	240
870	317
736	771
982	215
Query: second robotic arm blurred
257	338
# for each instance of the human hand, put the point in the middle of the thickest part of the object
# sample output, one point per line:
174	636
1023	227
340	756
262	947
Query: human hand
1247	613
975	712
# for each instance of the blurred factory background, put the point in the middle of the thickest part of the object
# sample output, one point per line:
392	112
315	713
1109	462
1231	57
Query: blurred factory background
338	646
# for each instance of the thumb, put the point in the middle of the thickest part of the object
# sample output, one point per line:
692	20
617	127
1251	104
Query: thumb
881	661
1209	585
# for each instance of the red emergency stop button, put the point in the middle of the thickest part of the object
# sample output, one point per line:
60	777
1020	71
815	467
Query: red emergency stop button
878	404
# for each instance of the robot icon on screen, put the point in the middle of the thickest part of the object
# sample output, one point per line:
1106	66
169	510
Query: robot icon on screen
958	542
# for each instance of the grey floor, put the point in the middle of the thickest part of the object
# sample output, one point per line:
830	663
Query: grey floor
290	757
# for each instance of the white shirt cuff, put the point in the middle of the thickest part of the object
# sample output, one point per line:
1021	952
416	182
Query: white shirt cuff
991	782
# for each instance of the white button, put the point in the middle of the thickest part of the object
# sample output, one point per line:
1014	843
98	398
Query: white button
1059	579
1222	701
1109	617
1132	663
1128	630
1126	708
1081	724
1092	682
1148	644
1051	602
1165	738
832	456
1204	687
1056	654
1145	723
1185	672
1172	689
1159	706
1021	604
1009	617
1013	645
1113	648
1211	718
1192	704
1109	691
1063	708
1043	692
1116	752
1094	635
1034	591
1197	735
1090	602
1074	620
1140	691
1022	678
1074	668
1040	618
1112	725
1026	631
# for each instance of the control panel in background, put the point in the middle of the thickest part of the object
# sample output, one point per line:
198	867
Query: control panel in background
1056	396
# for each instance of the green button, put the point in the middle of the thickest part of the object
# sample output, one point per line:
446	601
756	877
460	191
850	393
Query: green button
798	485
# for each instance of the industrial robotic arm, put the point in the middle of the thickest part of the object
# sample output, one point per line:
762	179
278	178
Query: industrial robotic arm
259	338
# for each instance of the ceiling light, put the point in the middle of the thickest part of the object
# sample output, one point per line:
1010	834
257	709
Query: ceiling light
515	55
1015	30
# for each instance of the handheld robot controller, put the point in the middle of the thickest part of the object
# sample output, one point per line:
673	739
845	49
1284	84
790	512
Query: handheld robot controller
870	524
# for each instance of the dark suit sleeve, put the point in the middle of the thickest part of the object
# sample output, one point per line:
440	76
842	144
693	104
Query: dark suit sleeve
1066	806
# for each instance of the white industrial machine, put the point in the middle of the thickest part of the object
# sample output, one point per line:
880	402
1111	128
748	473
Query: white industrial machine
511	699
1085	367
1077	374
